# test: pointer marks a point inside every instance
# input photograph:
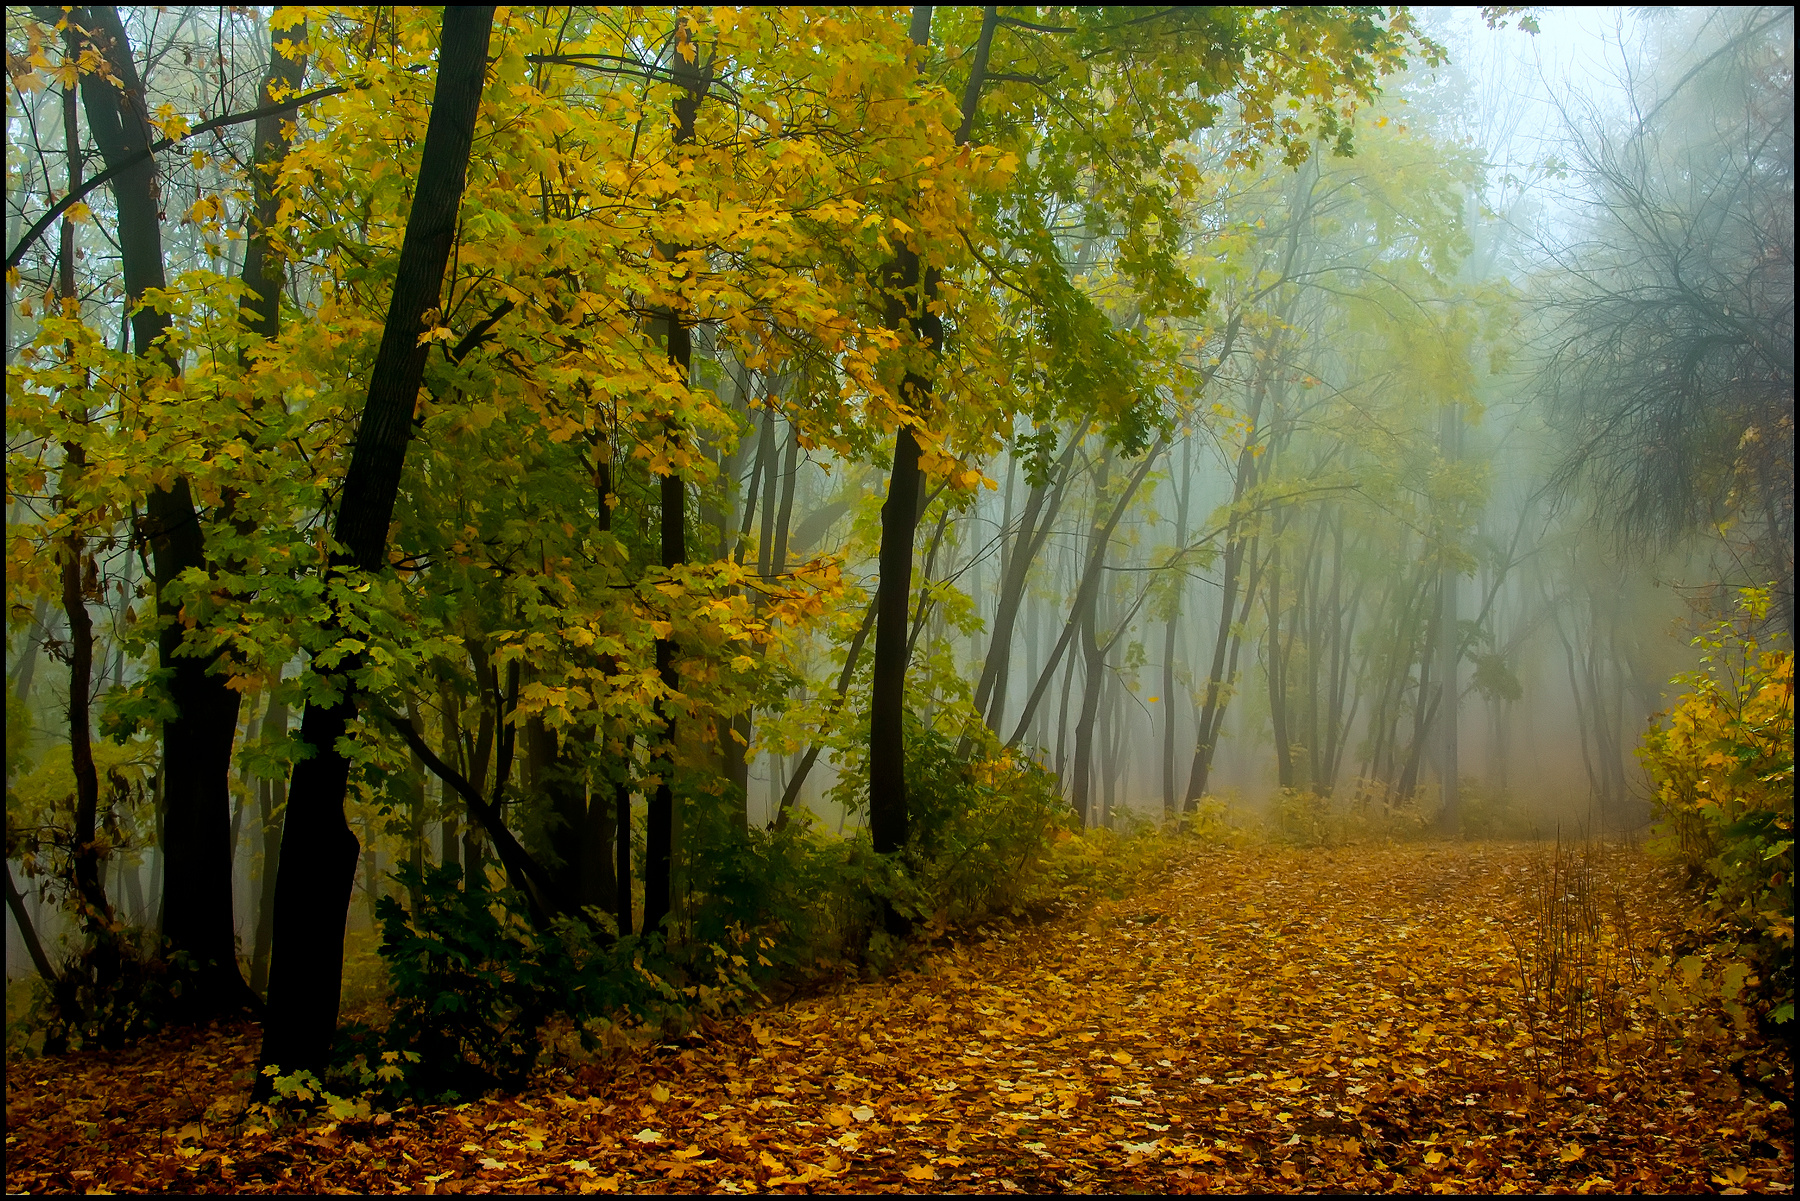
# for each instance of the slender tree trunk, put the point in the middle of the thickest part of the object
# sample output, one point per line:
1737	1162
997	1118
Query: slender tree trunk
28	932
1450	654
24	669
1022	552
659	829
90	891
1086	589
1093	679
318	851
765	457
1237	547
622	841
913	300
1278	698
1171	632
790	471
792	793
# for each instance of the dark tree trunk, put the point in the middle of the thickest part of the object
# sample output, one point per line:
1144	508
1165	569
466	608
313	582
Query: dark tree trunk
911	299
196	767
95	911
318	851
622	841
887	705
264	271
1093	657
28	931
659	823
271	798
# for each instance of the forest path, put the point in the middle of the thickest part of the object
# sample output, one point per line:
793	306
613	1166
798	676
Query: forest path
1261	1020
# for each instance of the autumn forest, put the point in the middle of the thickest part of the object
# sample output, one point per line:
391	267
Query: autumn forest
935	599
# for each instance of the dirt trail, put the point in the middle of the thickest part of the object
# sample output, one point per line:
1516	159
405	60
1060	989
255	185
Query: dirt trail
1263	1020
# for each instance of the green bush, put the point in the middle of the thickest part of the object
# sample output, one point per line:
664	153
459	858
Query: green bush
981	827
474	986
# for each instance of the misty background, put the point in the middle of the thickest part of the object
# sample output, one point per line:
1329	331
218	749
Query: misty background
1498	412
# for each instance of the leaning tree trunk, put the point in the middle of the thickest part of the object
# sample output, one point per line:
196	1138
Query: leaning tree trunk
318	851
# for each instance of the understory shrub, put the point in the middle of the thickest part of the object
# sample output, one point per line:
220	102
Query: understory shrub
981	827
1722	766
475	986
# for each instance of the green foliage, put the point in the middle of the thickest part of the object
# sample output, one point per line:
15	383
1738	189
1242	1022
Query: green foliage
473	986
1723	769
981	826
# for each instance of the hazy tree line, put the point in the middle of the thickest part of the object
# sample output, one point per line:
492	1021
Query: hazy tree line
1234	455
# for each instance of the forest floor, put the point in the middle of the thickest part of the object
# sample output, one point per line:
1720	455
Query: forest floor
1257	1020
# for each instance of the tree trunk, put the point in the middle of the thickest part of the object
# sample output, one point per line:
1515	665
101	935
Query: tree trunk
1450	656
1183	495
318	851
271	798
1093	678
792	792
1086	589
1035	524
1224	657
659	828
196	910
912	299
28	932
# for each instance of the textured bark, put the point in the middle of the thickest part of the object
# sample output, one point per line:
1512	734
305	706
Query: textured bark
910	302
264	265
887	740
318	851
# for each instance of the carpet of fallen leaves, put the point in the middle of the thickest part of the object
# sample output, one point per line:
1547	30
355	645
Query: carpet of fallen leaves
1259	1020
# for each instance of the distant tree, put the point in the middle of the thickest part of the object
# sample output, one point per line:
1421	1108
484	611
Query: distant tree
1672	375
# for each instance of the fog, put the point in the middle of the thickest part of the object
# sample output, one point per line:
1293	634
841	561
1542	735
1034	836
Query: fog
1495	414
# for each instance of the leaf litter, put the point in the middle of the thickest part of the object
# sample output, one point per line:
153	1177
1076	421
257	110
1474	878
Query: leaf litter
1260	1020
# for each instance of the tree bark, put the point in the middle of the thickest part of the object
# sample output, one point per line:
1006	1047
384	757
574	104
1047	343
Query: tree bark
659	828
271	798
197	741
318	851
1093	658
28	932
